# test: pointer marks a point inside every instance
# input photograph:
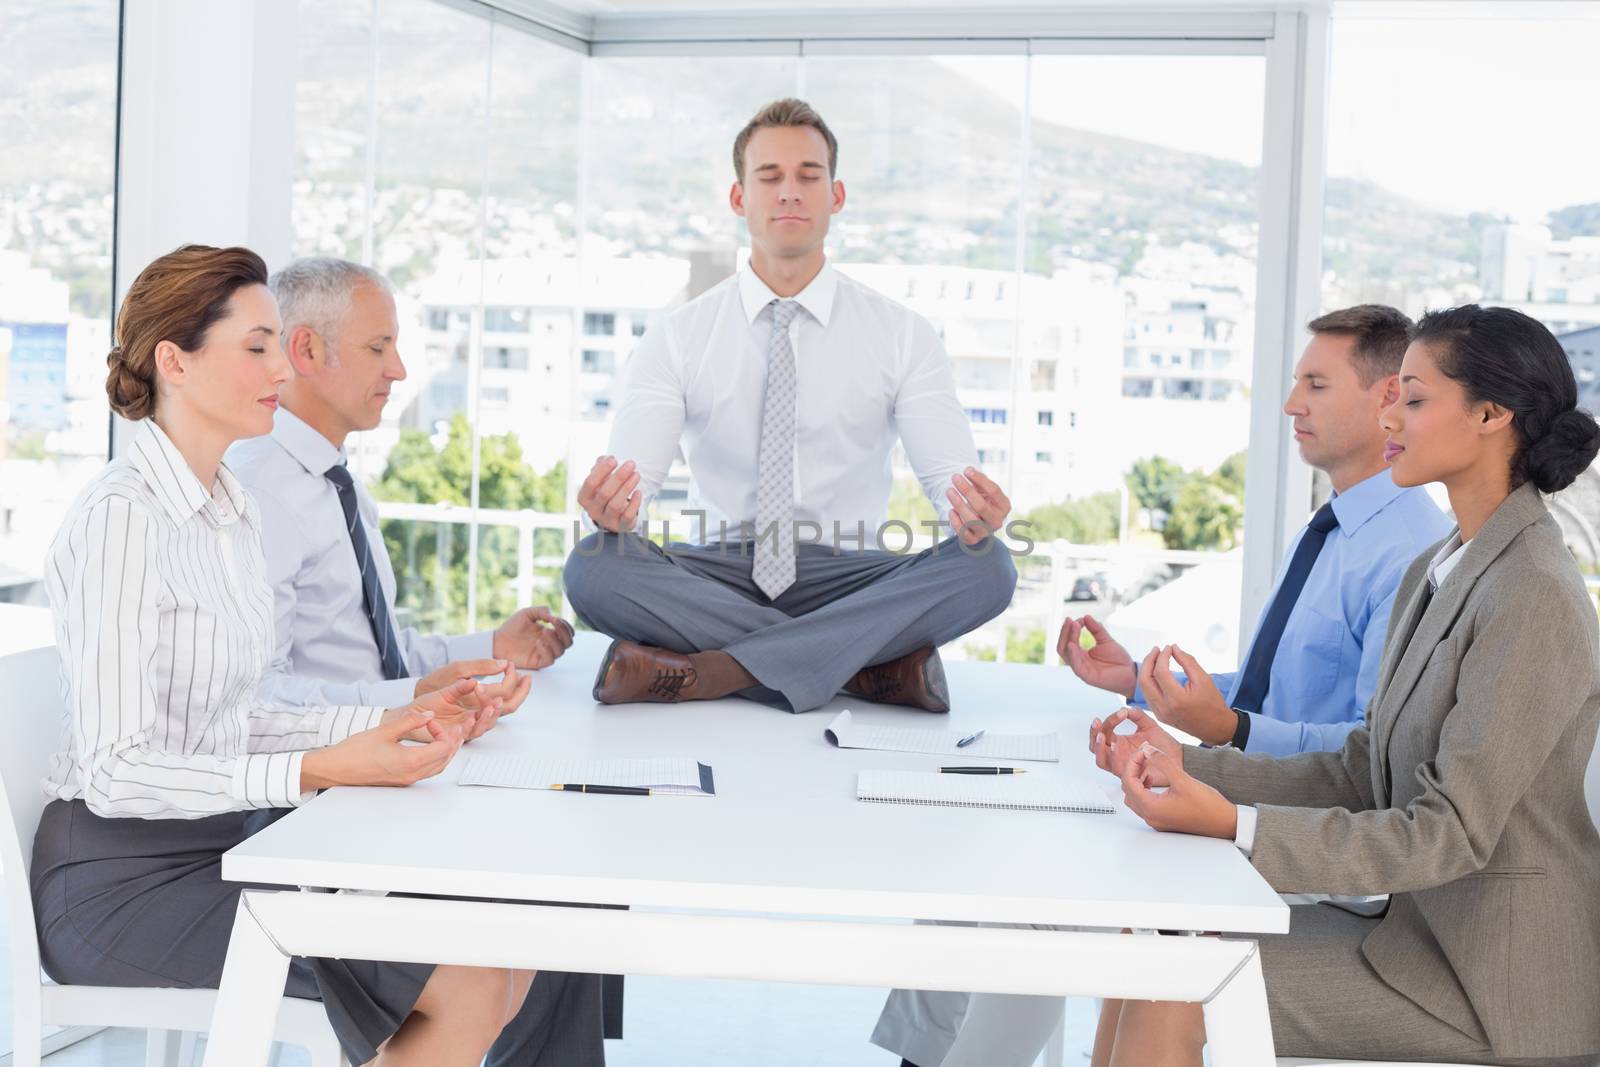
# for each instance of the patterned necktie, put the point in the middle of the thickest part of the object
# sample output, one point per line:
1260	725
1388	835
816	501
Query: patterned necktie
773	571
372	598
1257	673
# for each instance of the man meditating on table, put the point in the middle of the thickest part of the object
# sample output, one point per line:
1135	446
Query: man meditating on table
786	386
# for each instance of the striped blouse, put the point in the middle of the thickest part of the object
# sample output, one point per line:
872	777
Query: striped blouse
164	622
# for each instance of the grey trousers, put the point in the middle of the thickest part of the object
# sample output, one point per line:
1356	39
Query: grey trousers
141	902
846	610
1323	997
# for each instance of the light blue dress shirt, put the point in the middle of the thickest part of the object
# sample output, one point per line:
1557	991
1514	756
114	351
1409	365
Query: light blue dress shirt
325	652
1326	667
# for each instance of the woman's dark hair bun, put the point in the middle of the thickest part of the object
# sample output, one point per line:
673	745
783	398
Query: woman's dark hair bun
1553	461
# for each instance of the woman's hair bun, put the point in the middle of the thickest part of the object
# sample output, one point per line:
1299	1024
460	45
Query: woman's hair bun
1565	450
132	394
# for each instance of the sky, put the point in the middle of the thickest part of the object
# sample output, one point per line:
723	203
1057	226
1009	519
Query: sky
1462	114
1472	114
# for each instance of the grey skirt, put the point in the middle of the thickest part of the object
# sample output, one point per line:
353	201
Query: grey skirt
141	902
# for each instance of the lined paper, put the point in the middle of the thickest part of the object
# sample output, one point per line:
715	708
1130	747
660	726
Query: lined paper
683	777
846	733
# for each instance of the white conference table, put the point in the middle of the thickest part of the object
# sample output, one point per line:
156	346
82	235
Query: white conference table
715	885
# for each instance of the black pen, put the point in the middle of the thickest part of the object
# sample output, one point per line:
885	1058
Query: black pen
981	770
618	790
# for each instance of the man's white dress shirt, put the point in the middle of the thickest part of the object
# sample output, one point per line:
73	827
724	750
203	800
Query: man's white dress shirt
163	620
869	371
325	652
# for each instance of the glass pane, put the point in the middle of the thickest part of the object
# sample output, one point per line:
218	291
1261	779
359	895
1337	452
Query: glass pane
333	117
930	153
1137	311
1447	187
932	148
530	302
429	153
661	133
659	229
58	95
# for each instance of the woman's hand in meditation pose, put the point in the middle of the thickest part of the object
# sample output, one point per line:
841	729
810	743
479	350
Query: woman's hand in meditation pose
1113	750
1186	806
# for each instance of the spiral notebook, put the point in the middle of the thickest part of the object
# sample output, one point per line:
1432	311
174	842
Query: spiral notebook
1026	793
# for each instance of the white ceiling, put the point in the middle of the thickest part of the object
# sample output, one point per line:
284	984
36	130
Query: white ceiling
623	8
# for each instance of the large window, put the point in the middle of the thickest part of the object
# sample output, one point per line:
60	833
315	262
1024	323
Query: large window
1138	312
441	146
58	94
1080	229
1446	186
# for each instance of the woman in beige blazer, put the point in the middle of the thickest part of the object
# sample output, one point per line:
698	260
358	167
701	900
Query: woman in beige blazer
1463	798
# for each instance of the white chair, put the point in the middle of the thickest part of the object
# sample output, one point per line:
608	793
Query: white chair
1591	790
31	716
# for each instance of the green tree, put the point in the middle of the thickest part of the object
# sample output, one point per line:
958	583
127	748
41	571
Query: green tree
1089	521
421	474
1231	474
1156	481
1025	646
1206	515
434	557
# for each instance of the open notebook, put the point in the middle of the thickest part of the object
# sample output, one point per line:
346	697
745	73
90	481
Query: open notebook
682	777
1028	793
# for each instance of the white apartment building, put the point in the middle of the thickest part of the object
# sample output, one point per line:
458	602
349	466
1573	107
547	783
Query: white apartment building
1583	349
1065	379
1039	396
1555	281
53	405
554	334
1185	372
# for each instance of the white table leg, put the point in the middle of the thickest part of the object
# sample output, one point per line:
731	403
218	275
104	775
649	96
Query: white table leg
251	992
1055	1050
162	1048
1238	1029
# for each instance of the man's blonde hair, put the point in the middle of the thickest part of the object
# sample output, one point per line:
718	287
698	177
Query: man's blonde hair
785	112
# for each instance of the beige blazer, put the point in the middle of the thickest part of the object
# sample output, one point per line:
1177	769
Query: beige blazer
1463	795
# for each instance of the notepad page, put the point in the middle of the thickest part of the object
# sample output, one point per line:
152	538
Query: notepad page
1044	793
846	733
681	776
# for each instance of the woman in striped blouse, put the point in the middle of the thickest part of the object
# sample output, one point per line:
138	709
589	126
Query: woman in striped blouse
164	623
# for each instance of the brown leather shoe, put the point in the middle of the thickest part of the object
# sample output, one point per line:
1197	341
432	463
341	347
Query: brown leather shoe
915	680
632	673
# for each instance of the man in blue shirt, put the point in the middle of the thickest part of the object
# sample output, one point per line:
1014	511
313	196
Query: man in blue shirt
1312	664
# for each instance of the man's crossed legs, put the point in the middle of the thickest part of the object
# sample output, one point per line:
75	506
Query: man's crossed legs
845	611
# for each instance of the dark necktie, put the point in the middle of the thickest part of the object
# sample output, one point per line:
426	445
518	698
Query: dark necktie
372	598
1257	673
